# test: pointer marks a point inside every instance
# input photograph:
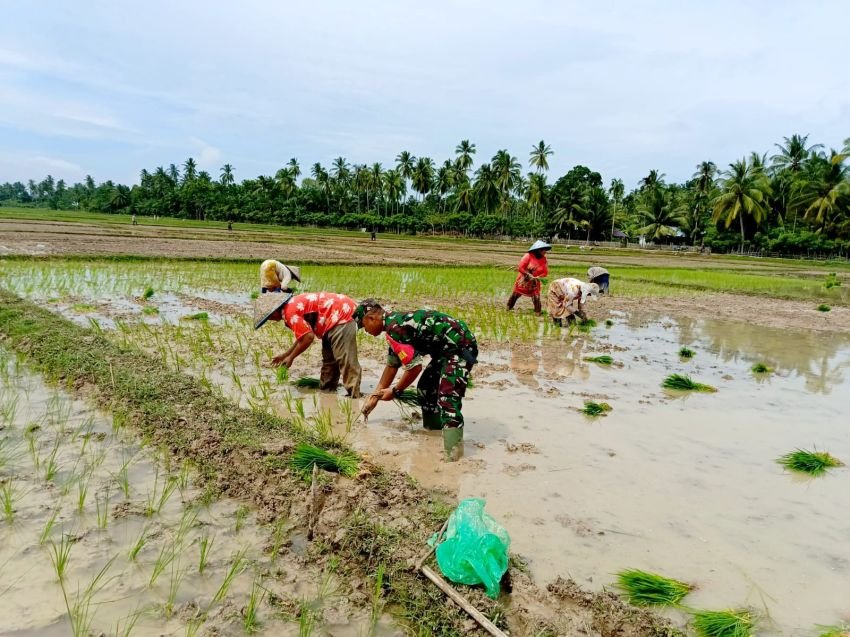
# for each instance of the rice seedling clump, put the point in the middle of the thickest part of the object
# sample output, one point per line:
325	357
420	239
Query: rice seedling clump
681	382
148	293
307	382
648	589
723	623
198	316
586	325
823	307
595	409
282	374
814	463
761	368
602	360
686	353
409	398
305	456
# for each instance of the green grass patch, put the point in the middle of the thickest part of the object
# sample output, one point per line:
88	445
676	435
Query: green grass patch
761	368
813	463
834	631
604	359
648	589
595	409
823	307
198	316
682	382
305	456
150	310
687	353
723	623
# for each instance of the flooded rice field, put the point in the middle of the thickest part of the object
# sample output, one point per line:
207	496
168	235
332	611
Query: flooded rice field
683	484
101	535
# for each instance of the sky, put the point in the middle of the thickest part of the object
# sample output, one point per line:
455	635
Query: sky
623	87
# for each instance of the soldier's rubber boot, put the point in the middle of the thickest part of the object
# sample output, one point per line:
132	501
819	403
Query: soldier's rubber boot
431	420
453	443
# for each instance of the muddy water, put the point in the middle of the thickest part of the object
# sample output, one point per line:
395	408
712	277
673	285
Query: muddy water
684	485
89	453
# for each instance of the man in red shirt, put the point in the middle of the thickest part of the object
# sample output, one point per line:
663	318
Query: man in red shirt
323	315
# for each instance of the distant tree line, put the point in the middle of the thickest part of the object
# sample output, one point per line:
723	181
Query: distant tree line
796	200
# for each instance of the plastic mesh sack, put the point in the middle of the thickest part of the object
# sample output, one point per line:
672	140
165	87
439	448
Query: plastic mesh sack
475	548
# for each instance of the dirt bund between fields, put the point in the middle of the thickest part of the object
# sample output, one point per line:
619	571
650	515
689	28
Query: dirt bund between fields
379	518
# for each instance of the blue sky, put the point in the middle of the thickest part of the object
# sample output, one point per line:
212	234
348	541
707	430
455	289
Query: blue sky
108	88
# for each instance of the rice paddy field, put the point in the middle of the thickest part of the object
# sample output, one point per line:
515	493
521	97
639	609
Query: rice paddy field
659	476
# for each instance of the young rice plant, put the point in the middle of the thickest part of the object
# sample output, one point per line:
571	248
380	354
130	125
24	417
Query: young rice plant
813	463
723	623
648	589
604	359
305	456
681	382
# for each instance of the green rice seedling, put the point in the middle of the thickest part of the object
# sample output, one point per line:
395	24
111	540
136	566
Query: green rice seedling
307	382
177	575
194	624
150	310
81	612
126	625
648	589
102	506
47	529
205	543
723	623
7	492
255	295
60	555
686	353
813	463
167	492
83	490
761	368
834	631
409	398
823	307
241	516
278	537
236	566
586	326
681	382
31	436
163	560
306	620
250	620
282	374
8	408
305	456
604	359
595	409
197	316
138	545
51	465
184	475
148	293
377	598
95	325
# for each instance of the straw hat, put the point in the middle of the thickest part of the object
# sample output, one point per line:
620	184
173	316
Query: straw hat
267	304
589	291
595	271
539	245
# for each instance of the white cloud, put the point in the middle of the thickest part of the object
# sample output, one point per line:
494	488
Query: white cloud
22	167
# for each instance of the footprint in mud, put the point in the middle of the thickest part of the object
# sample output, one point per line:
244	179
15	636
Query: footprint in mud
515	470
521	447
581	528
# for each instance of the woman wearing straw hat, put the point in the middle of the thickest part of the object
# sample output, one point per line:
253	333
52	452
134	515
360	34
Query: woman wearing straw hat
532	268
324	315
600	277
563	294
276	277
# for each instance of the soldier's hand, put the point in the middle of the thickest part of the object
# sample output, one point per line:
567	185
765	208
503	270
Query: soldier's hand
370	405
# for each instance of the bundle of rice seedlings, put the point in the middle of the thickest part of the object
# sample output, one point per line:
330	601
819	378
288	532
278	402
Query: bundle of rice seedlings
305	456
648	589
409	398
282	374
586	325
199	316
723	623
814	463
595	409
681	382
307	382
761	368
686	352
602	360
823	307
148	293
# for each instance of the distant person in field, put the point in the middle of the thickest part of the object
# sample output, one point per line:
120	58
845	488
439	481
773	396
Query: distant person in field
453	351
600	277
277	277
323	315
532	268
374	236
229	226
566	299
135	221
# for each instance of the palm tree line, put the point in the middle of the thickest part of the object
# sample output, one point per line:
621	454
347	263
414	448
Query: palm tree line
794	200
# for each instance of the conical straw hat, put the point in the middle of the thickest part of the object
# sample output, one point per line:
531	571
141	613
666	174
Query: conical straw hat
267	304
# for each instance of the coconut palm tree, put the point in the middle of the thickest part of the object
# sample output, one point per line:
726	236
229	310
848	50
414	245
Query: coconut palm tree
173	173
376	173
793	153
464	152
393	186
538	158
536	193
486	187
423	176
703	193
405	163
507	175
616	191
444	182
825	194
653	181
660	215
323	179
190	170
226	179
744	189
294	168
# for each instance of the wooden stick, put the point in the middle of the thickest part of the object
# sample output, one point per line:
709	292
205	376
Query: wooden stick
458	599
431	549
311	520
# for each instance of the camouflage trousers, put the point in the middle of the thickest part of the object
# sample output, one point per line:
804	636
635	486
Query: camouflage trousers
443	385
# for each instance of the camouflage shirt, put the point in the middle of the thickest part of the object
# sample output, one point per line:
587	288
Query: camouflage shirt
412	335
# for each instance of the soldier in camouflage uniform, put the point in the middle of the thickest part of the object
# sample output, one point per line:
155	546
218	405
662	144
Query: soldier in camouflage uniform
453	351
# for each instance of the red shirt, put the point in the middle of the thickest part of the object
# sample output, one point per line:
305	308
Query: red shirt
329	309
